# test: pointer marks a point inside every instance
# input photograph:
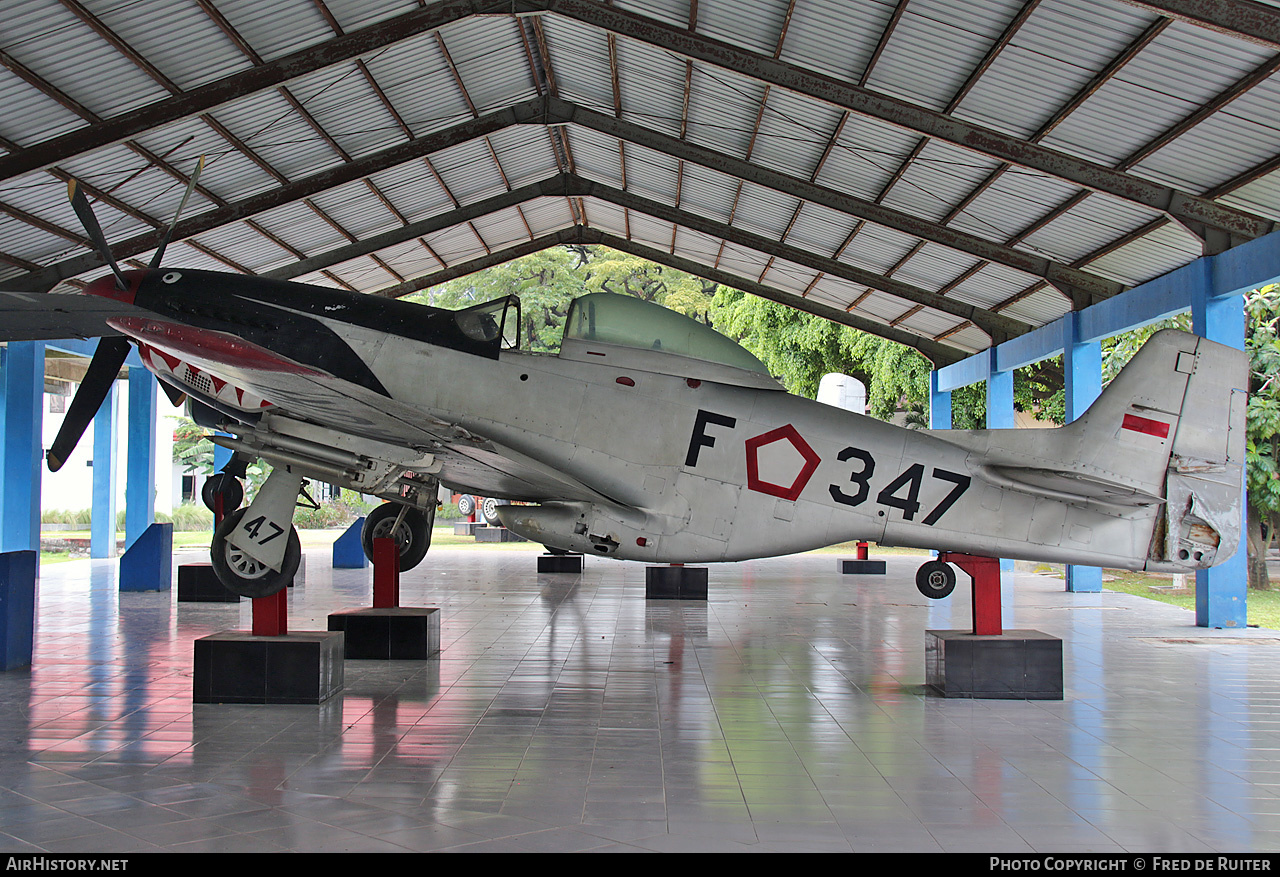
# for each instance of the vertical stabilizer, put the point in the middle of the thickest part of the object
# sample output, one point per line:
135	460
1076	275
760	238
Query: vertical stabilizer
1163	447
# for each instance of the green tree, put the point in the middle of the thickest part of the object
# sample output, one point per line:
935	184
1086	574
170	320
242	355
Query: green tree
547	283
799	349
1262	463
192	449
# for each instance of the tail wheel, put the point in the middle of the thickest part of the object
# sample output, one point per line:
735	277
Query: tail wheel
226	486
413	535
935	579
242	574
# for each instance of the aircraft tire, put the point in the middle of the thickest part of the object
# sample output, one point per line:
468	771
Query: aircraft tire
241	574
229	486
466	505
935	579
489	511
413	535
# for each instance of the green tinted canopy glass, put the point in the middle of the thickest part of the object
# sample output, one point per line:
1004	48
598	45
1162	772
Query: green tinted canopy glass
631	322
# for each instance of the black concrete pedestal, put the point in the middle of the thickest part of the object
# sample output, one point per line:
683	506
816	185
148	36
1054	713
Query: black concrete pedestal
234	666
198	584
496	534
1015	665
400	633
675	583
571	563
862	567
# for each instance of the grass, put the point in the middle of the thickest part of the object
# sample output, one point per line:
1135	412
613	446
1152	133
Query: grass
1263	606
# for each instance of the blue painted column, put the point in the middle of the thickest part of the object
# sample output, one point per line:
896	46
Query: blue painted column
21	444
140	486
1000	411
1082	369
999	396
939	404
102	531
1221	592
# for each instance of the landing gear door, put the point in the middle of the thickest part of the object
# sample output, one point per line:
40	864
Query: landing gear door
263	532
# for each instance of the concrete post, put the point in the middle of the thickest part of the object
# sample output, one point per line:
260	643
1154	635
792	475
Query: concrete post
21	451
1221	592
102	534
1082	369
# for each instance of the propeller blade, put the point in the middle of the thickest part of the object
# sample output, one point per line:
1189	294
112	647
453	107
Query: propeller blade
97	382
80	203
168	232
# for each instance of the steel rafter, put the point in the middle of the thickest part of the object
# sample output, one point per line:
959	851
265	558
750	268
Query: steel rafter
1256	22
571	235
526	112
347	47
1030	263
998	327
1197	213
571	186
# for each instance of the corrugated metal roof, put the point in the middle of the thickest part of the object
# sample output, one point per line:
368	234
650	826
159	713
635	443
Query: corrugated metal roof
1187	108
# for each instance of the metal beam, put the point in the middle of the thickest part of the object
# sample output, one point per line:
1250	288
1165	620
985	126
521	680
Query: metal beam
198	100
997	326
939	354
522	113
1256	22
555	186
568	185
572	235
1058	274
1191	210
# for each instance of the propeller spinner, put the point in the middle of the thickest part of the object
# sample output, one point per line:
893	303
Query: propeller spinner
111	352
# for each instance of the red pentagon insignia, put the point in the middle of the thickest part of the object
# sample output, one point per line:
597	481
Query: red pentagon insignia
804	467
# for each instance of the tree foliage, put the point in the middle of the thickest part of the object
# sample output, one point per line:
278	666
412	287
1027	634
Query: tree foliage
1262	464
192	449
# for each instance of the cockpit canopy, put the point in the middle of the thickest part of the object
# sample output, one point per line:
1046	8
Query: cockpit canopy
645	336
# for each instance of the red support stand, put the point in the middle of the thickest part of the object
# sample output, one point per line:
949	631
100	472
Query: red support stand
271	614
862	551
386	631
386	574
985	573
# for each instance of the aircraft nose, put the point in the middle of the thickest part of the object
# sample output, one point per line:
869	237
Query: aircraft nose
107	287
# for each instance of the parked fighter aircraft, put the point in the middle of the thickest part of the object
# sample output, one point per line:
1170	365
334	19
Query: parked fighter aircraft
647	437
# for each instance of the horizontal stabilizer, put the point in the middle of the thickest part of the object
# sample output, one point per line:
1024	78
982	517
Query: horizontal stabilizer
1070	486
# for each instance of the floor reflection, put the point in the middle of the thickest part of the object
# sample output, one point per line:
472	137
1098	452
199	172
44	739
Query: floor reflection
785	713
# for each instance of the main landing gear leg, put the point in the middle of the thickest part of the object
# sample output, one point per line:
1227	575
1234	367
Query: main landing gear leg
409	526
255	551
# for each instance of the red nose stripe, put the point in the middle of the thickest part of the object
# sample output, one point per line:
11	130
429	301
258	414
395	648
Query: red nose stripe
1146	425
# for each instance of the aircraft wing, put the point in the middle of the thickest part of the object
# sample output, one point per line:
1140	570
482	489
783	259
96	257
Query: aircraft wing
45	316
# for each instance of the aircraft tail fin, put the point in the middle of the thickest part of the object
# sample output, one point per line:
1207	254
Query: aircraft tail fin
1169	430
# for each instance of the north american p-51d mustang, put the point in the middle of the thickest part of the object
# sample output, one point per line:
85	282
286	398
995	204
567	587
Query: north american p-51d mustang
648	436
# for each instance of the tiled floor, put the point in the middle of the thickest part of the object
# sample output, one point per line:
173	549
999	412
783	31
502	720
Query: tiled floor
567	713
